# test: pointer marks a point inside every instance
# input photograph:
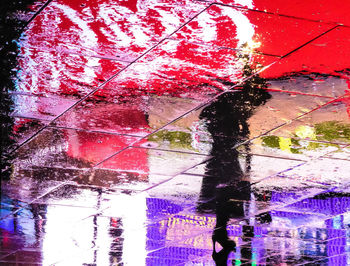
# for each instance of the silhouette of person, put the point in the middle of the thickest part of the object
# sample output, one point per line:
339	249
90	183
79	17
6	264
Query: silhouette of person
226	188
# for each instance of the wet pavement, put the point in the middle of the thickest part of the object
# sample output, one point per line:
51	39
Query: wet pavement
166	132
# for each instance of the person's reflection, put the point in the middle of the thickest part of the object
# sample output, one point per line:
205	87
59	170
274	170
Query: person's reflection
225	187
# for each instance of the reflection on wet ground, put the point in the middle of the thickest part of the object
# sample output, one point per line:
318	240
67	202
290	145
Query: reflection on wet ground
174	133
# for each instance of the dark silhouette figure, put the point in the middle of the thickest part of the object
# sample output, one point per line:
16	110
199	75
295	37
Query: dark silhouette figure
225	187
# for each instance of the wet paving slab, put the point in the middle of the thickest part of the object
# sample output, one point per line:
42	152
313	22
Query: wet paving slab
116	231
66	148
28	227
331	43
328	124
27	187
312	84
151	161
24	128
107	179
197	60
294	148
128	115
35	173
250	166
325	171
314	204
39	108
323	131
283	191
340	153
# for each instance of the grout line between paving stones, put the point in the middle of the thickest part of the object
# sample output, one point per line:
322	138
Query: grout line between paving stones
255	52
93	131
329	157
9	254
110	190
37	13
204	154
174	175
31	118
41	196
310	41
344	145
272	156
322	259
169	150
219	47
341	159
299	93
72	52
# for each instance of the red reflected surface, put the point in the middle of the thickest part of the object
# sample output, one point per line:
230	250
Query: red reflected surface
323	10
92	148
266	33
129	160
326	55
72	47
106	116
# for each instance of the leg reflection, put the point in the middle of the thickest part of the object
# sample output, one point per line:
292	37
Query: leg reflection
226	188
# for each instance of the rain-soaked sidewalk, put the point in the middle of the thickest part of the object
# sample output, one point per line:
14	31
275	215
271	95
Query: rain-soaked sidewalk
163	132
